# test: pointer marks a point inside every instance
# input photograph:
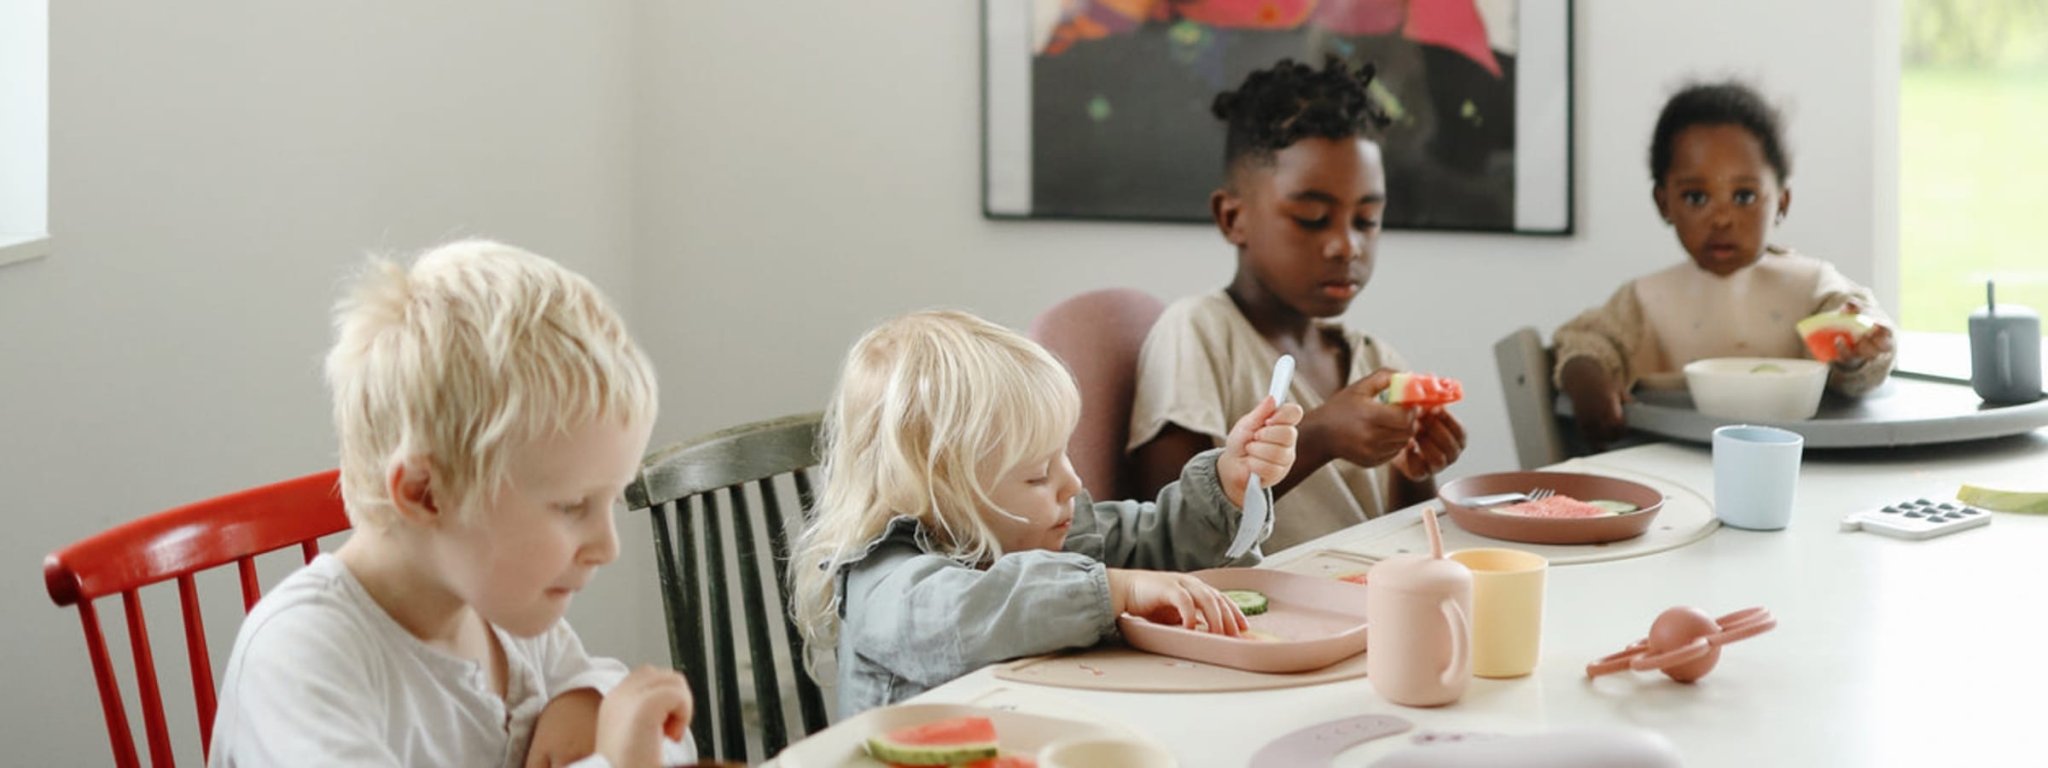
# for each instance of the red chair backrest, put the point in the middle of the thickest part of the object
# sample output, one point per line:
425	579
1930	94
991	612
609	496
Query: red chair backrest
1098	335
176	544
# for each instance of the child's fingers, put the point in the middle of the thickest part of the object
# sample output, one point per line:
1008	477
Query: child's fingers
1289	414
1217	609
1264	410
1447	434
1277	434
1377	382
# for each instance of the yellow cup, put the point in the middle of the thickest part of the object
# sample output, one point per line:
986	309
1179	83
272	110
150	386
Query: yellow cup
1507	610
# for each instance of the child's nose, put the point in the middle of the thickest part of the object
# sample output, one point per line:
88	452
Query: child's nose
602	546
1070	481
1346	247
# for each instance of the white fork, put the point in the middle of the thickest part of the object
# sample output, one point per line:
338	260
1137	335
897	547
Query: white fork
1534	494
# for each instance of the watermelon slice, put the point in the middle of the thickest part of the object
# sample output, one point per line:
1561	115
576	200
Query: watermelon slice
945	742
1422	389
1006	761
1554	506
1822	330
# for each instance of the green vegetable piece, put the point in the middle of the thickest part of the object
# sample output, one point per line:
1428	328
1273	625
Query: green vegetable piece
1250	602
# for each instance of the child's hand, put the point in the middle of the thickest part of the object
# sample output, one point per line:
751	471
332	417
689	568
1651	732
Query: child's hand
1876	343
1355	426
650	704
1439	439
1174	598
1596	404
1261	443
566	730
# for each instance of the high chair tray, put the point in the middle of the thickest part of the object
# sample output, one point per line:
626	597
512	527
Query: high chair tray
1909	409
1309	623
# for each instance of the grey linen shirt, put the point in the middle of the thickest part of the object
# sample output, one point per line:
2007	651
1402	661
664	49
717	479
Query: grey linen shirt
911	620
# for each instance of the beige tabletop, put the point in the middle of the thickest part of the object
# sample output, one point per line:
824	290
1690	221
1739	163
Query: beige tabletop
1888	652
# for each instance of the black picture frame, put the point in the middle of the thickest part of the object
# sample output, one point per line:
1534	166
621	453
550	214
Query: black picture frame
1117	127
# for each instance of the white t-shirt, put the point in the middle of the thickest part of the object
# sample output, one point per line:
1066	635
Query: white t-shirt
321	675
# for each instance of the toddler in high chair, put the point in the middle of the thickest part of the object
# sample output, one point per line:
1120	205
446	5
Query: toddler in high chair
491	409
952	532
1719	169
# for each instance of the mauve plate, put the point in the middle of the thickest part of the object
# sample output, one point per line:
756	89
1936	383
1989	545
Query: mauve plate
1319	622
1552	530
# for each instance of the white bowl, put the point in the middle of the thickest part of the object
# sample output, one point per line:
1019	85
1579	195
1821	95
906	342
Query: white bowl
1757	388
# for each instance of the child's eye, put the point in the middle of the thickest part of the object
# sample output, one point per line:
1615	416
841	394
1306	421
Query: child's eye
1316	223
1364	224
1694	198
573	508
1745	196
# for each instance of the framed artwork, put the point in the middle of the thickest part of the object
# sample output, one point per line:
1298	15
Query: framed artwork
1099	109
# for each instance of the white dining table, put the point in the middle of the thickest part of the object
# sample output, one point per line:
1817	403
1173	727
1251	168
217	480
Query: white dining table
1887	652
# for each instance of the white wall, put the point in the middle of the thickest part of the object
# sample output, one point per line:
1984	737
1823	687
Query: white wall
807	171
216	168
758	182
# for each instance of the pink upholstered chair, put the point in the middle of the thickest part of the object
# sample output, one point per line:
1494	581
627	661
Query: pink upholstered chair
1098	335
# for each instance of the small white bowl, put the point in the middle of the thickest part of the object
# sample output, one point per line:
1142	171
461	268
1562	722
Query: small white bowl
1757	388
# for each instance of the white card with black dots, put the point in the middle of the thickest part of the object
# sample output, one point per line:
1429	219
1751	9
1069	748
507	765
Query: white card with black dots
1917	519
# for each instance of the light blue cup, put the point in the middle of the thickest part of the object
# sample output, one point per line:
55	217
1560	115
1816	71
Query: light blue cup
1755	472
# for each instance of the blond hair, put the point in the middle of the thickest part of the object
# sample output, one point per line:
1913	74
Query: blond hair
932	408
477	348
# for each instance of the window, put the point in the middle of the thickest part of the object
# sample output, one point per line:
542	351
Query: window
24	129
1973	103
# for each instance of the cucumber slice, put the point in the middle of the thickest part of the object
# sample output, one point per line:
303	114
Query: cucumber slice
2033	502
1614	507
1250	602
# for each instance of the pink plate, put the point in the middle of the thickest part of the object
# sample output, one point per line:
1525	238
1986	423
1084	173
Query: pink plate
1316	622
1552	530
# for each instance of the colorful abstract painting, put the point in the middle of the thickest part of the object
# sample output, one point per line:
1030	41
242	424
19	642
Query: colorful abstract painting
1100	108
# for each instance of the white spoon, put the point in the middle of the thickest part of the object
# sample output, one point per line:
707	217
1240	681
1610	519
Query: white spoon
1255	508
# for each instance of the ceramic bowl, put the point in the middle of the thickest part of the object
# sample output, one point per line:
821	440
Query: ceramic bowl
1761	389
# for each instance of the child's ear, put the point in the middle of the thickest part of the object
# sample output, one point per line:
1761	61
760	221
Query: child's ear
1784	202
410	483
1228	211
1663	204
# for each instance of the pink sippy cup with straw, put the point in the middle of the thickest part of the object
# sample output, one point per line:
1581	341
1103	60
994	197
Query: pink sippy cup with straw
1418	614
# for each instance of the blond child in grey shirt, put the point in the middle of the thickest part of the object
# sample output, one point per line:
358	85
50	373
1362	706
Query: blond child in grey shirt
952	532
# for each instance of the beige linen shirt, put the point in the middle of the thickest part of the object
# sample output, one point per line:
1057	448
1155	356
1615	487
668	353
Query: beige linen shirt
1657	323
1203	367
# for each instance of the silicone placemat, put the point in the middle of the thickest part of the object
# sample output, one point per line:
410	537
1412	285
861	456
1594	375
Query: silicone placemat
1121	668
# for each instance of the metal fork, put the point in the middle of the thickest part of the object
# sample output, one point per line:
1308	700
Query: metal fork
1533	494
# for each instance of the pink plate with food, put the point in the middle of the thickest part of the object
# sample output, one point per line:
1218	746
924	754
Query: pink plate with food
1299	623
1577	508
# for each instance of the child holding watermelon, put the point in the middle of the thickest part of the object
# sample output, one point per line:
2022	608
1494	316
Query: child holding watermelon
1303	194
1719	167
952	532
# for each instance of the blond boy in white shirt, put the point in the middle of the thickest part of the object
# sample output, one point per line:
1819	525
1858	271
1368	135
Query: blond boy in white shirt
491	409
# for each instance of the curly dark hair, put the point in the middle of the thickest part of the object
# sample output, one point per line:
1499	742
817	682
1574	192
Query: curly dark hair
1726	103
1291	101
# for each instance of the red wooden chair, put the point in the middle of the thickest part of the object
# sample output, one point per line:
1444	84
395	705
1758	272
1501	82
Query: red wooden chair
174	545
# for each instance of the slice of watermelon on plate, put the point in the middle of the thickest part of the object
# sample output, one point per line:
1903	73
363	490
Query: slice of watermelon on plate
952	741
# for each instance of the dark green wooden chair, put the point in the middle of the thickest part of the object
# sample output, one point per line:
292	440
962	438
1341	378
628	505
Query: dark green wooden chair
726	505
